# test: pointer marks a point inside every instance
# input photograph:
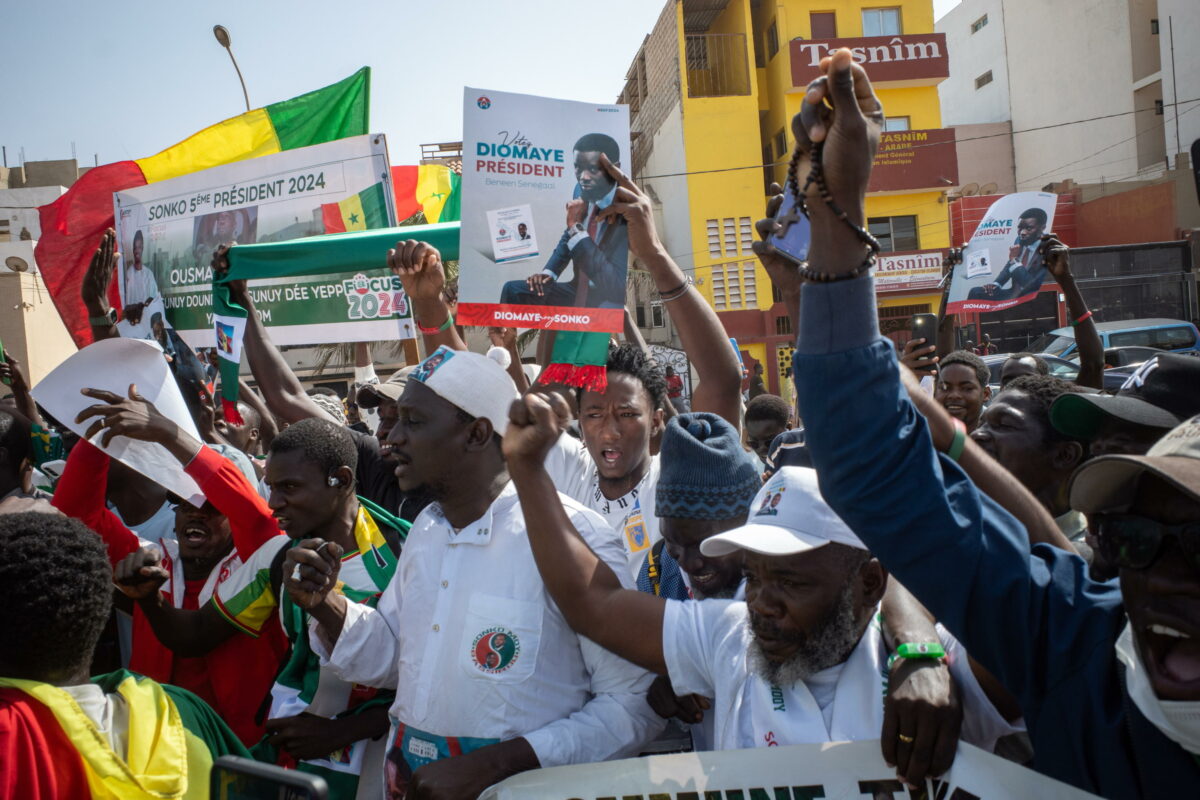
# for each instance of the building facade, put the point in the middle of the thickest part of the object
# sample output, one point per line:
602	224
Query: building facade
1040	67
712	92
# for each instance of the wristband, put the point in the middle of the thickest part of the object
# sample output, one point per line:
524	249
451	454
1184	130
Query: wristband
959	442
103	321
917	651
445	326
1081	319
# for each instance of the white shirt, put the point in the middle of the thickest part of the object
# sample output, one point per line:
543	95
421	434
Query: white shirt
140	285
574	473
705	646
452	593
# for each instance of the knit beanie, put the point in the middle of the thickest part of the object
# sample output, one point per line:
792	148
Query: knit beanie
704	472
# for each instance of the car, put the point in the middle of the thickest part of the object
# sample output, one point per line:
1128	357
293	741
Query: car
1059	368
1124	356
1175	335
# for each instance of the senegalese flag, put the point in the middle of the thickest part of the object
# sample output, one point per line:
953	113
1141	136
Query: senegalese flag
52	749
433	188
73	224
363	211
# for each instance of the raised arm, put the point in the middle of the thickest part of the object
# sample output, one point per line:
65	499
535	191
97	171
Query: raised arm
946	320
587	591
186	633
94	288
420	269
966	558
284	394
991	478
12	374
1057	258
719	382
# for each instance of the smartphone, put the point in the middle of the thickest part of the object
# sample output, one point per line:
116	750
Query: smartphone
235	778
795	233
924	326
7	381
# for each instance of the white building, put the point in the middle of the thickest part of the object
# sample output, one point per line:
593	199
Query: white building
1090	86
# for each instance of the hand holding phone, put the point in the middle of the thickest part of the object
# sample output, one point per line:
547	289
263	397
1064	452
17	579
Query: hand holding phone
793	235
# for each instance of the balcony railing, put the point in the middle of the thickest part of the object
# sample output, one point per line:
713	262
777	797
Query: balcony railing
716	65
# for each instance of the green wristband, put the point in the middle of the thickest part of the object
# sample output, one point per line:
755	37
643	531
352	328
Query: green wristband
959	442
917	651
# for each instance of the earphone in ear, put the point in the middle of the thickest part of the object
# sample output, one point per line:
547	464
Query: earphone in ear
334	481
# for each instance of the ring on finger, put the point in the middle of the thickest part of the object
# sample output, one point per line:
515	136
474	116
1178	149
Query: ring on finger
906	739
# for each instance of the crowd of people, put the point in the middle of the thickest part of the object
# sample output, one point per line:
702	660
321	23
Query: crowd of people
476	574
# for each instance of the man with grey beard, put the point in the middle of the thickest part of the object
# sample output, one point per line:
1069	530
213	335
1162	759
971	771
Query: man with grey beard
801	660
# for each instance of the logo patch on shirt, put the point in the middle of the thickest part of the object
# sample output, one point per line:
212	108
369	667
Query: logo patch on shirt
495	650
770	503
635	533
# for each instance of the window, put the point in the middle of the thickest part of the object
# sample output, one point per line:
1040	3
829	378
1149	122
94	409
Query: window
746	234
823	24
749	285
1158	107
720	300
776	295
881	21
640	315
714	239
781	143
895	234
734	285
896	123
772	40
983	80
1154	27
978	24
783	325
729	234
657	317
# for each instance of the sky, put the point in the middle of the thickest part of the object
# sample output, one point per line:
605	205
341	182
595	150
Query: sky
123	79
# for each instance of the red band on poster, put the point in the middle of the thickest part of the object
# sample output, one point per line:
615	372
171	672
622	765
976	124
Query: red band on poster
562	318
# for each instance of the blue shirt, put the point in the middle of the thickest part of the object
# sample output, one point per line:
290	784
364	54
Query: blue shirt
1032	617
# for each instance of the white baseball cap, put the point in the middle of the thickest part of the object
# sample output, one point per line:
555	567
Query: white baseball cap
787	516
474	383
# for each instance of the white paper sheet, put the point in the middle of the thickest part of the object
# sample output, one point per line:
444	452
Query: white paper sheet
111	365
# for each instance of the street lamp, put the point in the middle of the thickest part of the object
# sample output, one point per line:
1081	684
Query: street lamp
222	34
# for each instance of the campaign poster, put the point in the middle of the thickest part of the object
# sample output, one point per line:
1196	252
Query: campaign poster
534	250
167	232
1002	266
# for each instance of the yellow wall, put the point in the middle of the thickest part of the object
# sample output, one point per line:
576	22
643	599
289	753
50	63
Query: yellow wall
724	132
720	132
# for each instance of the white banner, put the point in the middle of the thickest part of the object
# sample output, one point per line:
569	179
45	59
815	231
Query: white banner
533	252
167	232
1001	265
834	771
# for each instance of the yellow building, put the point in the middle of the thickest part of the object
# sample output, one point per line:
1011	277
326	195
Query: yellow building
712	92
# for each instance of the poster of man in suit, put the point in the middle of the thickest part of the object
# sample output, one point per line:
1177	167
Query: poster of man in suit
533	169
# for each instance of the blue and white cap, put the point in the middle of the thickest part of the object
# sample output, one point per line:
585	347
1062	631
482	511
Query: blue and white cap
475	383
788	516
